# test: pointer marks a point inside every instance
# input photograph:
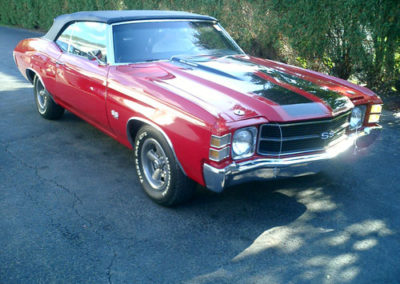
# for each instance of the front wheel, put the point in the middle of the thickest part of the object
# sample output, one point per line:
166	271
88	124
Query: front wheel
46	107
158	171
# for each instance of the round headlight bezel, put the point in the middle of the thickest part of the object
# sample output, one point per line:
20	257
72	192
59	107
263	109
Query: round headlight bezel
357	117
238	137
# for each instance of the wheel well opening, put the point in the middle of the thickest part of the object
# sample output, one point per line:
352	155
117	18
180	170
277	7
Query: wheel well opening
133	128
30	75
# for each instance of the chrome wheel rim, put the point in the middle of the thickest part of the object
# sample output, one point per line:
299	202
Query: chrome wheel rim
41	96
155	165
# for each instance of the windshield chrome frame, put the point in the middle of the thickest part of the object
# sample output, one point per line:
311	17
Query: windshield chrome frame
111	57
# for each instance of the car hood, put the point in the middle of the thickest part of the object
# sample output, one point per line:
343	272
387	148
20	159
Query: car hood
242	87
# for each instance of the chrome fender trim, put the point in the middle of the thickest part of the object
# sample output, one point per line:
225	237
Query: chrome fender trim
36	73
159	129
41	81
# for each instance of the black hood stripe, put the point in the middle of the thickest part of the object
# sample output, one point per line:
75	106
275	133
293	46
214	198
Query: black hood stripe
335	100
277	93
258	85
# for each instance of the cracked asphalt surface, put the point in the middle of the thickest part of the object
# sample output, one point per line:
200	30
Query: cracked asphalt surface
72	211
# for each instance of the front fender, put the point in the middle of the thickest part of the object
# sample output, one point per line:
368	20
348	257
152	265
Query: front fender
189	143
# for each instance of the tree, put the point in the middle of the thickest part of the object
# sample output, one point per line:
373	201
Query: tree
344	37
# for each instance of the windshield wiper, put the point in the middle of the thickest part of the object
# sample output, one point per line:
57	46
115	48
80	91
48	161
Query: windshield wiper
151	60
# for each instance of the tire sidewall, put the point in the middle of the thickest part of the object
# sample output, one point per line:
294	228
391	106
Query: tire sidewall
43	111
167	193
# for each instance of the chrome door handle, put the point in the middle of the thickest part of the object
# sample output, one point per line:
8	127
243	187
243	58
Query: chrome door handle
60	63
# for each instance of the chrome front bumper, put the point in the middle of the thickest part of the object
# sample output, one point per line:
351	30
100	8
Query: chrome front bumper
263	169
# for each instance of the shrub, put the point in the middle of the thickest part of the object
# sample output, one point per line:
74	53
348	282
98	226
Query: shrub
347	38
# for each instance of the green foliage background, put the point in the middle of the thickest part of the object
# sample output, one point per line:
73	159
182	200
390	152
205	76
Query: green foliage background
352	39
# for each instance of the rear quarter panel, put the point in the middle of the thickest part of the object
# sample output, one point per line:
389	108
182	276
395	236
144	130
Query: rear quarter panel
39	55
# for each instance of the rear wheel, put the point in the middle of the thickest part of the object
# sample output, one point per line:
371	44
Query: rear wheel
158	171
45	105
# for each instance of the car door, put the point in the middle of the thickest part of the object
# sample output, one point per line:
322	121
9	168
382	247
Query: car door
82	77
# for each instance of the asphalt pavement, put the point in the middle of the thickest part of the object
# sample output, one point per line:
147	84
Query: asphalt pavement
72	211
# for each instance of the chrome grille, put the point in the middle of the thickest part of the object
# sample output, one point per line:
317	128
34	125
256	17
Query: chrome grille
301	137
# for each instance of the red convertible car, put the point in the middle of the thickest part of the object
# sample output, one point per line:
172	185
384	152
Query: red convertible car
176	88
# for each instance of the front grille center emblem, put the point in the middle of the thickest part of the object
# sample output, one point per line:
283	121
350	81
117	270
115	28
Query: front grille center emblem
327	134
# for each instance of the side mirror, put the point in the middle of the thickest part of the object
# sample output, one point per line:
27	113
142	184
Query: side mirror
94	55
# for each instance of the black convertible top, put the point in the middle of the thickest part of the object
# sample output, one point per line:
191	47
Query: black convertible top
115	16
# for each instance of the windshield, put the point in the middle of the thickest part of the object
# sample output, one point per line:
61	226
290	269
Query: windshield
150	41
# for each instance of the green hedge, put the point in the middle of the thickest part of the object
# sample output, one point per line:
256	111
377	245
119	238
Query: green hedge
356	39
245	20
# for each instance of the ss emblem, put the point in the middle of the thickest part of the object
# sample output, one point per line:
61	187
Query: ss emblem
327	134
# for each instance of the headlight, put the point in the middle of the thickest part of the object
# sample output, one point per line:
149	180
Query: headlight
357	117
244	143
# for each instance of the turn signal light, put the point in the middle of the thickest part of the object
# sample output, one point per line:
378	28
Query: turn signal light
220	141
219	155
376	108
374	118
